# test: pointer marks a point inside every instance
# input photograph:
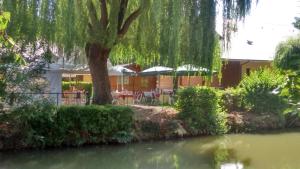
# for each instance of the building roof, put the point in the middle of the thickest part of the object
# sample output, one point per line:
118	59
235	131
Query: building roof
248	57
242	58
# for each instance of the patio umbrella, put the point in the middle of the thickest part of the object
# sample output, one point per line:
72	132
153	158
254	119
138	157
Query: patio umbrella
121	71
156	70
84	69
190	70
73	69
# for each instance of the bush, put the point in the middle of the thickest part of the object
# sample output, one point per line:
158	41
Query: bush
86	86
260	91
94	124
41	125
36	123
200	110
232	99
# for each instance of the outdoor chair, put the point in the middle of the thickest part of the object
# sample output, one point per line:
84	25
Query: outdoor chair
147	97
151	97
137	97
155	100
115	97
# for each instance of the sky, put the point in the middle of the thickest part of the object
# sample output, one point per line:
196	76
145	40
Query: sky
269	23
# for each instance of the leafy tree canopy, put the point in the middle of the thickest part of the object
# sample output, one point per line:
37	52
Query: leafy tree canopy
165	32
147	32
5	40
287	59
288	55
297	23
16	75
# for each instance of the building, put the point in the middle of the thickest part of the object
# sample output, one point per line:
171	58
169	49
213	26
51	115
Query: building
232	72
234	69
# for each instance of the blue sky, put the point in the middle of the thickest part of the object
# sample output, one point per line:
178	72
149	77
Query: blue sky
269	23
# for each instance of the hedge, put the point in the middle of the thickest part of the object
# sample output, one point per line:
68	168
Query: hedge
43	125
94	124
79	85
200	110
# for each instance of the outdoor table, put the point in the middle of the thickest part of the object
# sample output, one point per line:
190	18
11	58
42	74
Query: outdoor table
166	93
125	96
152	96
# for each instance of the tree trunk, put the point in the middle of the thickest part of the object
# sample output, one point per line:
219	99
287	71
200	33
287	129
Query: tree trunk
97	58
175	83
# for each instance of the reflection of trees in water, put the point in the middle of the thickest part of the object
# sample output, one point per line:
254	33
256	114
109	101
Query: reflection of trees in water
223	152
163	155
190	154
143	156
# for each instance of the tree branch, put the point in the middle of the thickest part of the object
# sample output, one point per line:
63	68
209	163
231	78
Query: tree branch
129	21
92	14
122	12
104	13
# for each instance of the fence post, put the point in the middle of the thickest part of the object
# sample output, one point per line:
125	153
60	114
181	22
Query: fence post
57	97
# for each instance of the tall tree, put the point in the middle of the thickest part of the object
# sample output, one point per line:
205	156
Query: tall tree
17	76
287	59
297	23
147	31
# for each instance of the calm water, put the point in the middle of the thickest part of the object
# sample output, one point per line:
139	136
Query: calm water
272	151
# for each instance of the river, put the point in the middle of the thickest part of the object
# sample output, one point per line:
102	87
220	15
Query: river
242	151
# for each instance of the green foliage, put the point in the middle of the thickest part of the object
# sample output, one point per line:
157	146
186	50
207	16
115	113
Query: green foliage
18	77
287	55
86	86
297	23
93	124
165	31
288	62
169	32
37	122
9	62
260	90
287	59
5	40
200	110
232	99
4	20
41	125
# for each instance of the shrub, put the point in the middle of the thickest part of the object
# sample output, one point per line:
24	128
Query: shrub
287	61
86	86
232	99
260	91
200	110
36	123
41	125
94	124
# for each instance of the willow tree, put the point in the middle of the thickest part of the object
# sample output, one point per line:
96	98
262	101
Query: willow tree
147	31
287	59
297	23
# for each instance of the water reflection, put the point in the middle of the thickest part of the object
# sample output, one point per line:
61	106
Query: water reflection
248	151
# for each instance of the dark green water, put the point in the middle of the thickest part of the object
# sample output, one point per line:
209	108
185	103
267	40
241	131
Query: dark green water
270	151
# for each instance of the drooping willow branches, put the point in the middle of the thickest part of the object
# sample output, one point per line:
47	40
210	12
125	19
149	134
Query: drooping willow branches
167	32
